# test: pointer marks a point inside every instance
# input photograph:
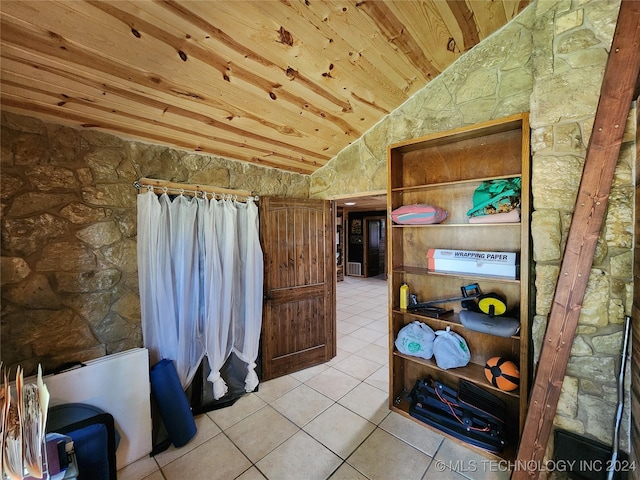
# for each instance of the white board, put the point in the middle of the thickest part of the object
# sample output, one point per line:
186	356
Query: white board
119	385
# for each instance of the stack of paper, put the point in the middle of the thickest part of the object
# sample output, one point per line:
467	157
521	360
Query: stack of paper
22	427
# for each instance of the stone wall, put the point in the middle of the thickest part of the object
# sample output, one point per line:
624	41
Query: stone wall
68	265
571	50
549	61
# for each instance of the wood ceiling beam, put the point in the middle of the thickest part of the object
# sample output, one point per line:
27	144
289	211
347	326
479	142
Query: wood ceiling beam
358	51
616	95
226	71
464	17
188	15
249	105
66	87
429	30
488	17
134	123
397	34
98	121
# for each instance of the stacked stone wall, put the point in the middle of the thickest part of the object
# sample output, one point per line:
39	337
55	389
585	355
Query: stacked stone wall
69	265
574	40
549	61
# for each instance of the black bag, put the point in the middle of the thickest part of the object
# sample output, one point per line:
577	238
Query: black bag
470	414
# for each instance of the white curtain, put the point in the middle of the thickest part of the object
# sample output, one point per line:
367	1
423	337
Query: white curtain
248	319
200	270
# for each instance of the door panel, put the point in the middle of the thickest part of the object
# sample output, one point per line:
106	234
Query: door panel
298	329
374	248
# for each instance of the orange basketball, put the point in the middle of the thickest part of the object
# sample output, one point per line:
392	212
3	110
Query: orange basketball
502	373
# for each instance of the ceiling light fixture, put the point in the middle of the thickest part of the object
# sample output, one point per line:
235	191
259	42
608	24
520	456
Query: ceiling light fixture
349	204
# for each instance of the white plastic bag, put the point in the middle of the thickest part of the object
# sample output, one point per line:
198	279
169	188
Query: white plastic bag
450	349
416	339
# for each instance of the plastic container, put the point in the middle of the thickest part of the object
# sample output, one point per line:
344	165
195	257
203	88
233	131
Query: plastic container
404	296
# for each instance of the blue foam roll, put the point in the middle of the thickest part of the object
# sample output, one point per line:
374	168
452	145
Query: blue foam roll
172	403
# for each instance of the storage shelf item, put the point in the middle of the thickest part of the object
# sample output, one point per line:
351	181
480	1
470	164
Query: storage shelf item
442	323
444	170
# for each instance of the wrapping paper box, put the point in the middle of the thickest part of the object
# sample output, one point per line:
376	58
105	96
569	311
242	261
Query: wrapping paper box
502	264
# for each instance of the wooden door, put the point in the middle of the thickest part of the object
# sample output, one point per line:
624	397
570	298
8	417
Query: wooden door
299	314
374	250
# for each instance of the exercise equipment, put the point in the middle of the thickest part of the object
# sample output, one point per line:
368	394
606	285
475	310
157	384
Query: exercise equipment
471	297
470	414
502	373
172	403
492	304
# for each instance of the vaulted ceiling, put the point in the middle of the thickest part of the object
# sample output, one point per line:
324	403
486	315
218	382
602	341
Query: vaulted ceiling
285	84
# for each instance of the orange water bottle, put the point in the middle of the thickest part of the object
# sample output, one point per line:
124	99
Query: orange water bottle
404	296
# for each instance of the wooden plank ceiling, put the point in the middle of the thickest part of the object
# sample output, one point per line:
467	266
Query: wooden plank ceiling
285	84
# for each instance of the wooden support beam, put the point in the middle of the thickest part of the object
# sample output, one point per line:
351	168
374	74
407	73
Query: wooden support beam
616	95
191	189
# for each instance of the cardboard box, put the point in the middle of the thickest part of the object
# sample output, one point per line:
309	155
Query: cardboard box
501	264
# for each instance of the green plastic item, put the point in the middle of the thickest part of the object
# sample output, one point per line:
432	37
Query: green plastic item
496	196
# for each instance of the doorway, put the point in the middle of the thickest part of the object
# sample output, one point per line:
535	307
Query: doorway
363	234
375	245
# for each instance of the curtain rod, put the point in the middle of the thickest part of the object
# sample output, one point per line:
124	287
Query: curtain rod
191	189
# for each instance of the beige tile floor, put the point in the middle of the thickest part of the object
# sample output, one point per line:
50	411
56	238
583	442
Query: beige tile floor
329	421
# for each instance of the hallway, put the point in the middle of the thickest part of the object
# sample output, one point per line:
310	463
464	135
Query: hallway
329	421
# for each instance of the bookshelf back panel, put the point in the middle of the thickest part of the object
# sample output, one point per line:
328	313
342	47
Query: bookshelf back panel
493	155
416	241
